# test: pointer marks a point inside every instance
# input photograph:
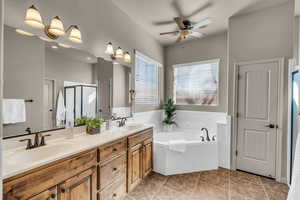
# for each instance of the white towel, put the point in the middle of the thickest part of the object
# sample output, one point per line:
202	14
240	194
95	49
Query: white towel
177	145
60	110
294	193
13	111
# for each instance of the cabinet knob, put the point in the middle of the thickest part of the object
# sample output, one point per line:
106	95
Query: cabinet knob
115	149
63	190
114	169
114	195
53	196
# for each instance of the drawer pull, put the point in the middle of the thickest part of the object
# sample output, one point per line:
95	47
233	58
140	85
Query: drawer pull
114	195
115	149
114	169
53	196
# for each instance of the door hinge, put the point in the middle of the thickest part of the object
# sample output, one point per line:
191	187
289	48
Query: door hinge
239	76
236	152
237	115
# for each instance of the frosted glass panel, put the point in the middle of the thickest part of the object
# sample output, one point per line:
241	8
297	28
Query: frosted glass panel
196	83
89	100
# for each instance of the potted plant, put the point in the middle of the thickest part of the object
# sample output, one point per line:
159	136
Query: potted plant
93	125
170	114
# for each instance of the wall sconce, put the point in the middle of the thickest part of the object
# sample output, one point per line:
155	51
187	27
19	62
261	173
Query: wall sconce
55	29
118	53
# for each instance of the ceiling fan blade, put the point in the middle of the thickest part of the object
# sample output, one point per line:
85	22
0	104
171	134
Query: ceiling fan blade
176	6
203	23
197	34
179	38
179	22
171	32
205	6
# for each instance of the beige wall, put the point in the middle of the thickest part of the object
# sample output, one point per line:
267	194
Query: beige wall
265	34
211	47
24	64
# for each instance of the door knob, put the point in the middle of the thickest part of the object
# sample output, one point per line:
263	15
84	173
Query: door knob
271	126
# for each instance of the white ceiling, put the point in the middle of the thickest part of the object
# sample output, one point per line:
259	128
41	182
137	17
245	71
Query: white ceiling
147	12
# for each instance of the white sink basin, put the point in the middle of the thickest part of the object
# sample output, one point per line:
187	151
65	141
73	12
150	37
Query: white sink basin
132	126
35	155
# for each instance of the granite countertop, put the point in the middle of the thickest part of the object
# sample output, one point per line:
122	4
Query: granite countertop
19	160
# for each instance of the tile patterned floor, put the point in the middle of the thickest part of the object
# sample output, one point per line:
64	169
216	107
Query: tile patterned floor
219	184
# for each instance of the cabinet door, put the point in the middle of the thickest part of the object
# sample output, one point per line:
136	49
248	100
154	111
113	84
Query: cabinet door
50	194
135	166
80	187
147	157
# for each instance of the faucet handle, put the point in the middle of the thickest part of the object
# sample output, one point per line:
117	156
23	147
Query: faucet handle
43	143
29	143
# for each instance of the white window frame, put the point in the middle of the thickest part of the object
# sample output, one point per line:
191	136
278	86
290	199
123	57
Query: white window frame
159	65
217	60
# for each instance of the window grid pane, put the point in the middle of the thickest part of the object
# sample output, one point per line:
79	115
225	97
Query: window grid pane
146	81
196	84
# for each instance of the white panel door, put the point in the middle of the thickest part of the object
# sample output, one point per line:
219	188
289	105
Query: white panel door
48	104
257	118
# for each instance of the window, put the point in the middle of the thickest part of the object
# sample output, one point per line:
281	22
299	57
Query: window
146	80
197	83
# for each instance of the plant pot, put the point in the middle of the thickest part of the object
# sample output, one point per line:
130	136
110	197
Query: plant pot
92	131
168	127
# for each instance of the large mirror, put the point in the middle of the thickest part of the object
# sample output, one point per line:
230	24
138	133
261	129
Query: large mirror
48	85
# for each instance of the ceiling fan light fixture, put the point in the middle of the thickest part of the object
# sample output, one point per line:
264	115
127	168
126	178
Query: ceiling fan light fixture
127	57
119	53
33	18
109	49
56	27
75	34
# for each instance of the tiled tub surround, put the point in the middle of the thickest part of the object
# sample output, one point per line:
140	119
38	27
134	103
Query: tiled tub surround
18	160
219	184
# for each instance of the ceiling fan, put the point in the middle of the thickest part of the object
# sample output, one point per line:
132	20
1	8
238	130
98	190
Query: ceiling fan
186	28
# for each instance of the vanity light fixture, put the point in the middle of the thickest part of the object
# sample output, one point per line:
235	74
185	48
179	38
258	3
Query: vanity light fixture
127	57
118	53
33	18
109	49
55	29
24	32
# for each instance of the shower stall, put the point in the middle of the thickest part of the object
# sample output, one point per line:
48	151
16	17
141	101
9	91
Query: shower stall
80	100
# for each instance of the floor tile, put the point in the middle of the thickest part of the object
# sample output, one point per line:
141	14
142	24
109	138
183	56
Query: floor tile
221	184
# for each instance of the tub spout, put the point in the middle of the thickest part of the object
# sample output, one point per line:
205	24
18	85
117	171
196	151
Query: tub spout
207	135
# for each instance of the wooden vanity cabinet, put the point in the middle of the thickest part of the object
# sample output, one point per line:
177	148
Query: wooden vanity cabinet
50	194
80	187
103	173
139	158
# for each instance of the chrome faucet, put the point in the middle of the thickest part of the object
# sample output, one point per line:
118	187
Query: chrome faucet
122	122
207	135
39	140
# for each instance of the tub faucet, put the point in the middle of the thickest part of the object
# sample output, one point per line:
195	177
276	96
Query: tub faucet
207	135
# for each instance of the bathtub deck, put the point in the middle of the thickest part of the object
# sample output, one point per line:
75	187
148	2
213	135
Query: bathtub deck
219	184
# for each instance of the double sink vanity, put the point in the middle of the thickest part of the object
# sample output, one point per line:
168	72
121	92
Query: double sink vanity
87	167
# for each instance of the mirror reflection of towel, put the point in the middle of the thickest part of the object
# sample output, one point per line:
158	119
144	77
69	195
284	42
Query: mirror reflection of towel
60	110
294	193
13	111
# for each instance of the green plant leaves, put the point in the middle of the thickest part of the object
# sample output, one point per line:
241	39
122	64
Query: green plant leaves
170	114
89	122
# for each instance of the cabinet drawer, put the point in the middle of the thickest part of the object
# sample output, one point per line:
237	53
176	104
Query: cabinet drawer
47	176
115	191
112	170
110	150
140	137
